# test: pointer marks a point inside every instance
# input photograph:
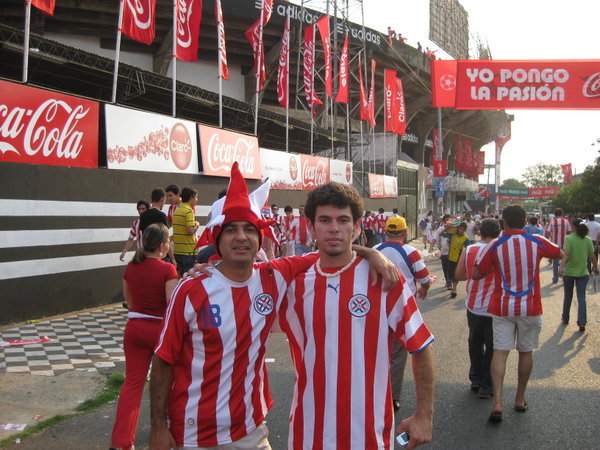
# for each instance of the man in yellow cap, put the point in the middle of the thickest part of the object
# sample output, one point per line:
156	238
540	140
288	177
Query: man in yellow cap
412	267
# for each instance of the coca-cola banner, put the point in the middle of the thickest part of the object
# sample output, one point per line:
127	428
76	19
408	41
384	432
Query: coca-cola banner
282	169
376	186
223	68
43	127
342	96
221	148
340	171
187	30
551	84
390	186
138	20
543	192
323	25
315	171
138	140
283	76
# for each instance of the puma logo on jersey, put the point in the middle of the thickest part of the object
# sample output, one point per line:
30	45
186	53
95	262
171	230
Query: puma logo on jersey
335	288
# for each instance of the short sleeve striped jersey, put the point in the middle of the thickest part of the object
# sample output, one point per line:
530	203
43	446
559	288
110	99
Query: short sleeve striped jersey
479	292
558	229
408	261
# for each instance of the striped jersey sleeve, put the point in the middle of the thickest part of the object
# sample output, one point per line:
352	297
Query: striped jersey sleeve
479	292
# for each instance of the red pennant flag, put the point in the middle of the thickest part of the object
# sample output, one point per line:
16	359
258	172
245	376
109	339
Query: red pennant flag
567	173
443	83
188	17
253	35
138	20
223	68
481	163
323	25
458	151
364	111
45	5
267	10
435	153
282	71
440	168
309	61
372	94
390	87
400	119
342	96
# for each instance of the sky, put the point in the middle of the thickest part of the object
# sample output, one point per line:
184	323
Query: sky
520	29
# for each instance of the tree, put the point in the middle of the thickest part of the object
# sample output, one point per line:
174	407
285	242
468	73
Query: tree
543	175
582	196
513	183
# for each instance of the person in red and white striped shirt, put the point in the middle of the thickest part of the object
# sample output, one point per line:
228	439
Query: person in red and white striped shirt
300	233
558	228
340	326
516	303
135	235
174	198
379	224
479	320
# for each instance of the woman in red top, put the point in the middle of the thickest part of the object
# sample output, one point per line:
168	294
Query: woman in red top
148	283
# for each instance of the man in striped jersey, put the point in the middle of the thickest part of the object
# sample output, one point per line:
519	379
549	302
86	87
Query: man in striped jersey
516	303
558	228
412	267
479	320
379	224
174	198
134	233
340	324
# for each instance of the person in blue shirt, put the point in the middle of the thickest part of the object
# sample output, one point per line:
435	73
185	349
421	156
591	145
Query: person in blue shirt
533	228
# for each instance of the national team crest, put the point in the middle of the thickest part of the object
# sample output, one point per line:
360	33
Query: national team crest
359	305
263	304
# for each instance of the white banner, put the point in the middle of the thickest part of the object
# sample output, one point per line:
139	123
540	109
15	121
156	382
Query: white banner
390	186
138	140
283	169
340	171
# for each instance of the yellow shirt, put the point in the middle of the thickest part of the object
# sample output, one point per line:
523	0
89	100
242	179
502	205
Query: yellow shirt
183	242
457	243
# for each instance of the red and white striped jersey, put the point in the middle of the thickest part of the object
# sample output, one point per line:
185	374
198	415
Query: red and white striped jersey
170	212
515	258
380	220
299	231
479	292
369	223
558	229
214	336
135	233
340	330
286	223
408	261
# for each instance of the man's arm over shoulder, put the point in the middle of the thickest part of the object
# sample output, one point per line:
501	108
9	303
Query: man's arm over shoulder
160	385
550	250
485	261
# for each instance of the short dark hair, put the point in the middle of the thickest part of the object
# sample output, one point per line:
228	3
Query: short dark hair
591	217
334	194
558	212
533	220
381	210
143	202
274	206
489	228
288	208
157	194
187	193
222	194
395	210
173	188
514	216
463	225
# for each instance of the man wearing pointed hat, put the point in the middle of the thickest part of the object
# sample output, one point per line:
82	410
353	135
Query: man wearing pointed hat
208	375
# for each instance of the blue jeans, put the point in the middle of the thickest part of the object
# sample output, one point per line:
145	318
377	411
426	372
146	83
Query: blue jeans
481	349
555	263
379	238
580	284
300	249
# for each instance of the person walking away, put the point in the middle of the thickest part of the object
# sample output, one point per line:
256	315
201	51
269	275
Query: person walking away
516	304
578	251
471	230
533	228
458	242
185	227
479	320
134	233
558	228
147	286
441	238
379	223
594	233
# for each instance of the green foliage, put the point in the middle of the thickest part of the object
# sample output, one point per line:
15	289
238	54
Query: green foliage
513	183
582	196
543	175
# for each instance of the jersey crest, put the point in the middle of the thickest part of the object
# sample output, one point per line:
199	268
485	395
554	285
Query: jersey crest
359	305
263	304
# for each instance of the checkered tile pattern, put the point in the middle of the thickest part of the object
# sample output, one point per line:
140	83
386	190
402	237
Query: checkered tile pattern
88	341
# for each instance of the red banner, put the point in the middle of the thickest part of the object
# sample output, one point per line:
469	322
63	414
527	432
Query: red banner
544	84
400	120
223	68
458	151
364	112
372	94
43	127
254	37
315	171
435	152
567	173
188	17
342	96
390	87
443	83
483	192
323	25
282	70
376	186
480	163
440	168
220	149
138	20
543	192
309	69
45	5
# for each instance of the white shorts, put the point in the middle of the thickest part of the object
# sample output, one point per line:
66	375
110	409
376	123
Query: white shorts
525	331
257	439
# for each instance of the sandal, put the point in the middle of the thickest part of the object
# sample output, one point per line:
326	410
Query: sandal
495	417
521	408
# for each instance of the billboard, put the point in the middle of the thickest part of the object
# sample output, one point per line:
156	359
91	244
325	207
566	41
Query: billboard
45	127
315	171
138	140
340	171
281	168
449	27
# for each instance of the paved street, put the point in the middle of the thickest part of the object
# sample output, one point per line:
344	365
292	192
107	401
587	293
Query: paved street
563	393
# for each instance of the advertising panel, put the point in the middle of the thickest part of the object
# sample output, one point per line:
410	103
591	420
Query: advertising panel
221	148
45	127
315	171
281	168
138	140
390	186
340	171
376	186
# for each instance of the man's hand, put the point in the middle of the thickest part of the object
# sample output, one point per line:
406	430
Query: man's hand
422	290
198	270
379	264
122	256
419	428
161	439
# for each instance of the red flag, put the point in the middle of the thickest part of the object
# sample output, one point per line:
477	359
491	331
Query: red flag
254	37
390	86
45	5
267	10
372	94
481	163
342	96
435	153
458	151
309	75
188	17
282	71
223	68
443	83
440	168
567	173
364	112
400	119
323	25
138	20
